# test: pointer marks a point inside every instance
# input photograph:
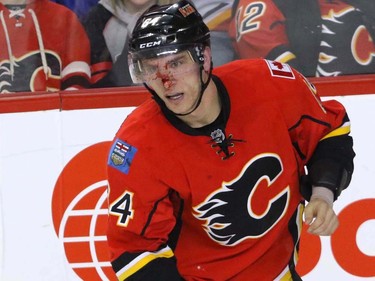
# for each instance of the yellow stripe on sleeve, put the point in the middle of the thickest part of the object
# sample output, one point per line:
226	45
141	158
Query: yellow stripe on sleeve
212	24
285	57
143	260
343	130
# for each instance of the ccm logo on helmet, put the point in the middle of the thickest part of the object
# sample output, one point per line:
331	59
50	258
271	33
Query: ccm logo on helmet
149	44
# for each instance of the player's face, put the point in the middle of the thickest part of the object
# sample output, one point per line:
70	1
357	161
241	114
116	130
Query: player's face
175	79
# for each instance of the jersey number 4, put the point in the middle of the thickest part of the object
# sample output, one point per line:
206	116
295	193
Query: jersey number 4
122	208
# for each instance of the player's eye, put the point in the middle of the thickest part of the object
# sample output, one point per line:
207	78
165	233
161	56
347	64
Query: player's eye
175	64
150	69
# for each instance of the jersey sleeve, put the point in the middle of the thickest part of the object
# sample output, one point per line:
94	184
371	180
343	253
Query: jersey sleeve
258	31
320	134
216	13
76	58
94	24
141	216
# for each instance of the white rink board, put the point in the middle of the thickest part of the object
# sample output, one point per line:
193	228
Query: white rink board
36	146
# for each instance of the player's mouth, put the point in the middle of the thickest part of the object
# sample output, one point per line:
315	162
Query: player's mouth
175	97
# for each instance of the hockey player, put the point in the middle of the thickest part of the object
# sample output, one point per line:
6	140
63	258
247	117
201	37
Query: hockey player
43	47
319	37
205	176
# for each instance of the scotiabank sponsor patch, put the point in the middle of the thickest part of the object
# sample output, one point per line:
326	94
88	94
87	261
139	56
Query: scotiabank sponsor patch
121	155
279	69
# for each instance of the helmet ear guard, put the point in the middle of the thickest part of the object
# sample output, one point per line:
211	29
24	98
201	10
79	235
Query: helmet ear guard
198	56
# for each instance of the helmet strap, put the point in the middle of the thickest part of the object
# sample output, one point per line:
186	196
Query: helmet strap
203	88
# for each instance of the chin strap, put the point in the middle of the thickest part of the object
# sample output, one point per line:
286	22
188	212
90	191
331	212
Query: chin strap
203	88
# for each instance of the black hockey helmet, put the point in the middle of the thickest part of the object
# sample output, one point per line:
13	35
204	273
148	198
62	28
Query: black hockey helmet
165	30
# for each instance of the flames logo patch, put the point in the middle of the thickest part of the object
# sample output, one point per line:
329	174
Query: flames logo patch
229	215
28	73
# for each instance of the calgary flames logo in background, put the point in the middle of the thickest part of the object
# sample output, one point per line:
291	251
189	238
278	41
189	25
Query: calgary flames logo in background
363	48
28	74
79	210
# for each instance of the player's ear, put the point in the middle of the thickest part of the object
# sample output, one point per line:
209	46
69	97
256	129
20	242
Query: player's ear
207	59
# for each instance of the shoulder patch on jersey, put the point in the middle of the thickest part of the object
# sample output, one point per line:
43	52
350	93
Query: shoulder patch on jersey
121	156
279	69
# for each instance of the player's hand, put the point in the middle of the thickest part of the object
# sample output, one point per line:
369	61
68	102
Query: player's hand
320	217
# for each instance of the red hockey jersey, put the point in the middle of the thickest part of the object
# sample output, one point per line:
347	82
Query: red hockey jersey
43	47
337	36
241	215
258	31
